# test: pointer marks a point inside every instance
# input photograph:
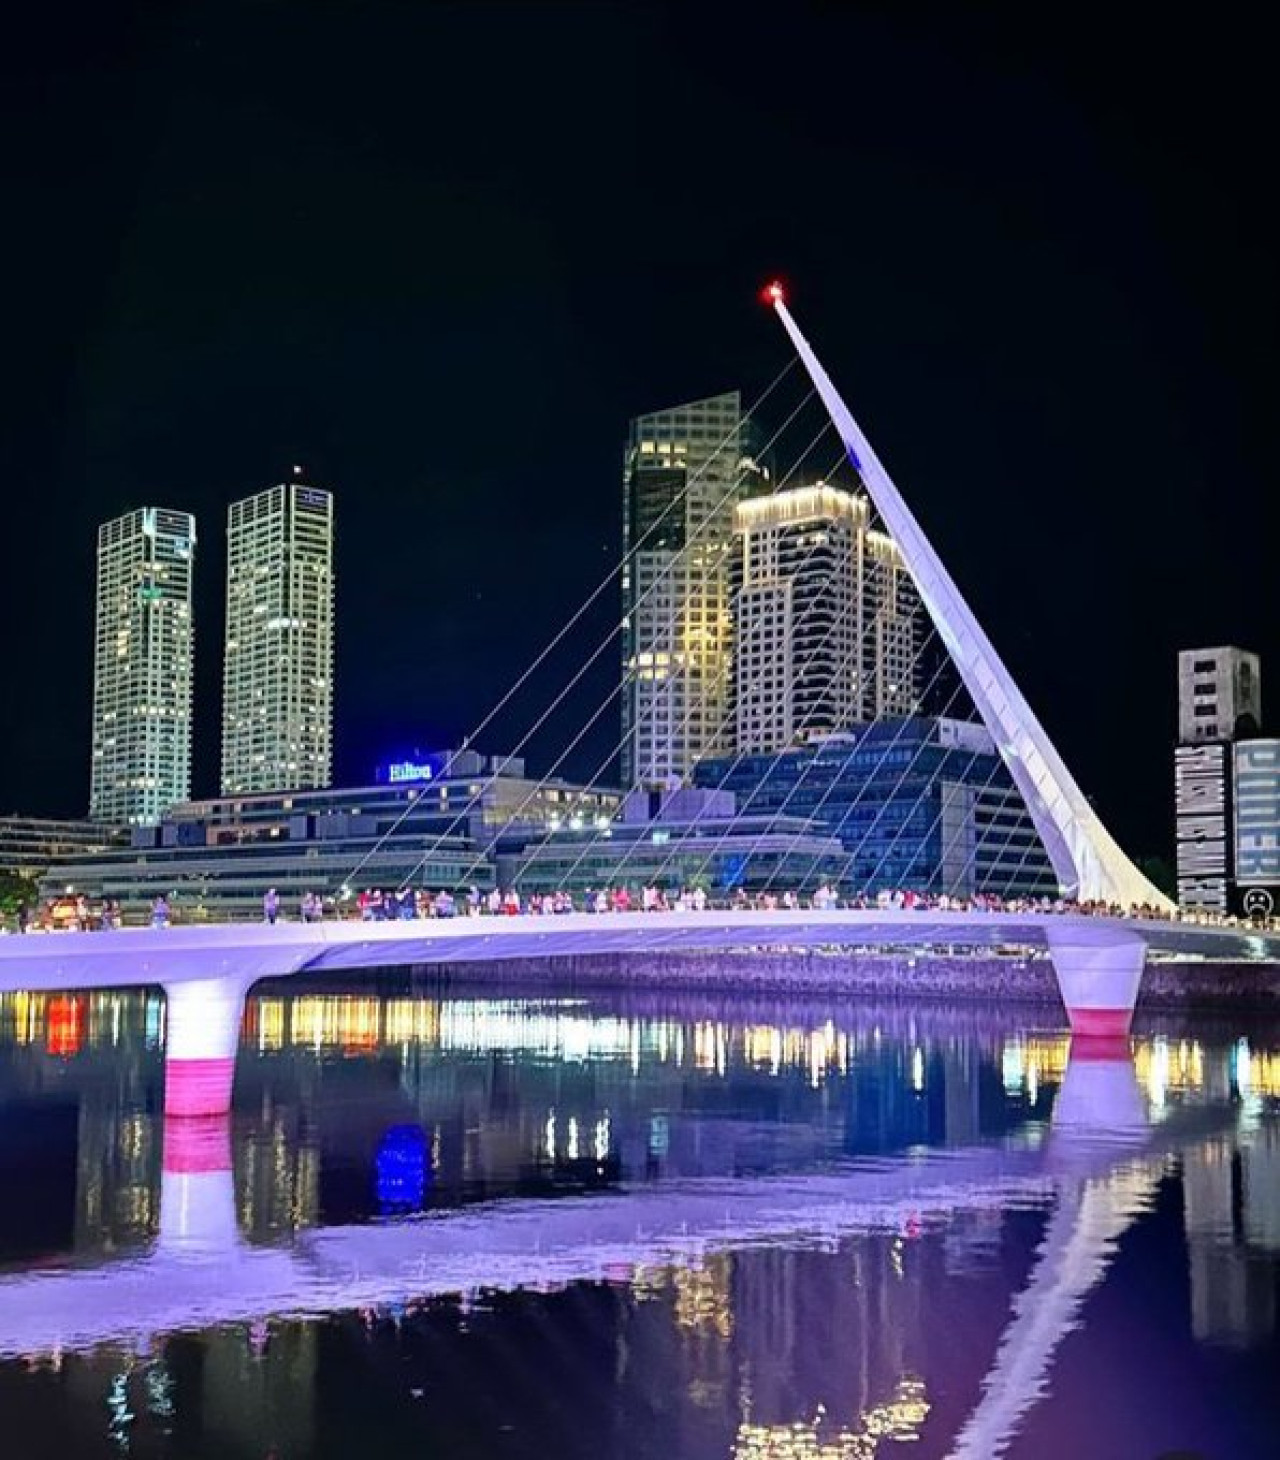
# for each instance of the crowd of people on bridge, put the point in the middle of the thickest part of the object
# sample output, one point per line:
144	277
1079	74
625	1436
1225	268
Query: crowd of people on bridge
388	905
510	902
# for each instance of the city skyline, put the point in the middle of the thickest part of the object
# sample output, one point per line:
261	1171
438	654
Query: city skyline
1041	326
665	611
749	520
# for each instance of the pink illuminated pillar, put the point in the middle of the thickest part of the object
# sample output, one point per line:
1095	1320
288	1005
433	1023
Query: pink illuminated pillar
1098	977
202	1032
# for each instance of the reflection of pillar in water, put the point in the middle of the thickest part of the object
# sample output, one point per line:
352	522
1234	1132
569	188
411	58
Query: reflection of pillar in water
1100	1094
197	1189
202	1032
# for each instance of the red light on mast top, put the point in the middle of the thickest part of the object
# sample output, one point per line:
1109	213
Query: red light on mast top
773	293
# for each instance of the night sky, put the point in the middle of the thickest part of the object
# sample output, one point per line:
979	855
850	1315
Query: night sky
440	254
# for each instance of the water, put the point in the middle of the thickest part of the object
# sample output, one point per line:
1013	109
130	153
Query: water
488	1224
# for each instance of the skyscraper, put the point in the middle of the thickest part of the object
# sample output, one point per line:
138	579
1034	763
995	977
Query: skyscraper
685	470
141	759
826	619
277	701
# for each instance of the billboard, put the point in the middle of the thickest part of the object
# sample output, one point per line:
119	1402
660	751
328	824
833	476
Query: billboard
1257	813
396	772
437	765
1202	806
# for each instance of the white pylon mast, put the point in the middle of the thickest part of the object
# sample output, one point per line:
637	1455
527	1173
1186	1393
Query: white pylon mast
1088	861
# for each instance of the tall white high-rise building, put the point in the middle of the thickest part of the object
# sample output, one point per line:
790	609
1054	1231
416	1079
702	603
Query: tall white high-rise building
277	697
827	621
143	643
685	470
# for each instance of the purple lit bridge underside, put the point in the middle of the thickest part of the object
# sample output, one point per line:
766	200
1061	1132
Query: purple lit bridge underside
206	971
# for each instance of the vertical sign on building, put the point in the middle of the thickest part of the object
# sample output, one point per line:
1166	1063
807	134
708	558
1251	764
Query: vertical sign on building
1257	825
1203	818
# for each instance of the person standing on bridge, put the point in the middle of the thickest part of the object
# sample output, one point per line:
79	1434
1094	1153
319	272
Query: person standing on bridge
271	905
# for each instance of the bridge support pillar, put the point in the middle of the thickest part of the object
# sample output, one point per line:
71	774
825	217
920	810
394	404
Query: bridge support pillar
202	1023
1098	979
197	1190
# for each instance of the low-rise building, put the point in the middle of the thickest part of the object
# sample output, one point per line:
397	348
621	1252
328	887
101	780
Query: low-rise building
681	839
920	804
31	845
432	823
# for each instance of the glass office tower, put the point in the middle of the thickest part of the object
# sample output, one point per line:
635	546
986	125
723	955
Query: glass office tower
685	471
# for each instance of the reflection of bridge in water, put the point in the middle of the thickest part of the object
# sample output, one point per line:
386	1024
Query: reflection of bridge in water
1096	1171
957	1100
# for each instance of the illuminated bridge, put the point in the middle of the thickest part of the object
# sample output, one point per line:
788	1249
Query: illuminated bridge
206	971
1098	960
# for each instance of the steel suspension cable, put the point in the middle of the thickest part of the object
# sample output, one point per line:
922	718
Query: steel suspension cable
683	724
853	649
971	860
868	780
762	787
924	745
582	609
541	784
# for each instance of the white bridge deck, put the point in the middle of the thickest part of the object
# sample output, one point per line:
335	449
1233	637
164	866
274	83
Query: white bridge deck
250	951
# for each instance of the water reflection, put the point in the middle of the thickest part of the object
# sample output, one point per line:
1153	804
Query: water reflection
751	1228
